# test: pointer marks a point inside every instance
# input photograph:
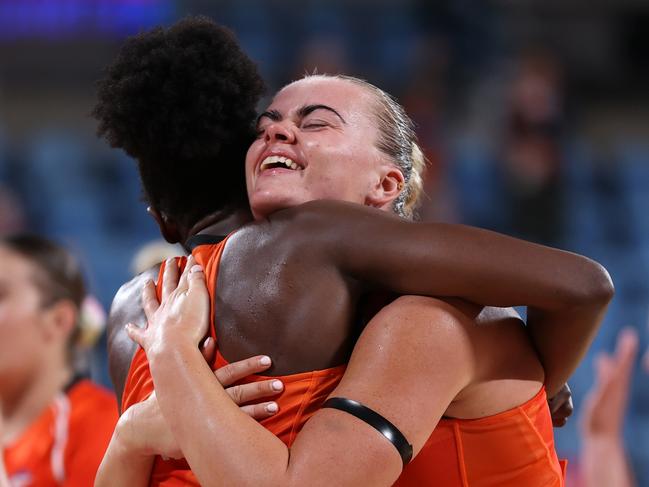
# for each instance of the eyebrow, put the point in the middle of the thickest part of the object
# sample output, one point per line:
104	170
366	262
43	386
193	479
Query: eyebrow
274	115
307	109
302	112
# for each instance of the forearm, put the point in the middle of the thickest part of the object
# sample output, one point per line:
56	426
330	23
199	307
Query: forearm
121	466
604	463
484	267
561	339
222	445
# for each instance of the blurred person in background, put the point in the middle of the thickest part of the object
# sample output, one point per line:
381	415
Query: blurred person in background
531	152
56	423
603	458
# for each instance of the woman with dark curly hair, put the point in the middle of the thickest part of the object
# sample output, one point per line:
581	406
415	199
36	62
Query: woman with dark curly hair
291	285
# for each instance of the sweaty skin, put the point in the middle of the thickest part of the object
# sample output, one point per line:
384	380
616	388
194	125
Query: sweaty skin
289	286
445	354
291	283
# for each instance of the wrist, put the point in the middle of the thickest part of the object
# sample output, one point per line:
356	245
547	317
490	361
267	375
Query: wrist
125	439
172	350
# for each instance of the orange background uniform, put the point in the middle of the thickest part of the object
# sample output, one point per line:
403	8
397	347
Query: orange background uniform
65	445
511	449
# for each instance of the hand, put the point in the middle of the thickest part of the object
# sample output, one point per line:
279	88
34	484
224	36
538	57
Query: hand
143	429
606	402
561	406
182	313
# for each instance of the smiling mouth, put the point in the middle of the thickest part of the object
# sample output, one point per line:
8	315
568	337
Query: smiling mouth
272	162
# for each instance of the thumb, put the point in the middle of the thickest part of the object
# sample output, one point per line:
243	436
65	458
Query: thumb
135	333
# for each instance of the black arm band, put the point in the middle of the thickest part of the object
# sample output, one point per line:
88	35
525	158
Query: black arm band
376	421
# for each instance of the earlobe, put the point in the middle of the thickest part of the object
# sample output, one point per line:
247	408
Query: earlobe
168	228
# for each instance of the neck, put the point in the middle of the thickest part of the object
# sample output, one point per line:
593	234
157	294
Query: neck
220	223
23	403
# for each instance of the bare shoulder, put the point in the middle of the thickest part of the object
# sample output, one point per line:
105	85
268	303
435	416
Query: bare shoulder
423	340
508	371
417	349
126	308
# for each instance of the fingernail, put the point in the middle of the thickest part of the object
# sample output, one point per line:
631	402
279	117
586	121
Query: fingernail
272	407
277	385
265	360
196	268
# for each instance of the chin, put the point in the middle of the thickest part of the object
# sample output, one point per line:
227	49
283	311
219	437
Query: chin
264	205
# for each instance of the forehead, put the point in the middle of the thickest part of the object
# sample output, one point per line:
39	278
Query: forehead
17	268
343	95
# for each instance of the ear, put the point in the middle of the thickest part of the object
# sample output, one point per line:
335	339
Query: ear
167	226
388	188
60	320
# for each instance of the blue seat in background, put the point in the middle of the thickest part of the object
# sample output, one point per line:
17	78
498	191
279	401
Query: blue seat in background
633	163
476	183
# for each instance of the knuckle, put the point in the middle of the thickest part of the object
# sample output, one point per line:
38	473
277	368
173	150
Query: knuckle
236	394
224	375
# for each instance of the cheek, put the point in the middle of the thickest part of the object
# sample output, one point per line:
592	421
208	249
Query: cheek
19	336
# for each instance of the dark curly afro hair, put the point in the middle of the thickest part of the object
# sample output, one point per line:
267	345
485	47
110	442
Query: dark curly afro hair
182	102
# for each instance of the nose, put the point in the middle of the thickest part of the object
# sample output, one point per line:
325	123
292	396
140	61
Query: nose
280	132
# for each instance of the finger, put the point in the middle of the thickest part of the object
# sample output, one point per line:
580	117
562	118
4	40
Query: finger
559	422
565	410
253	391
236	371
604	367
135	333
560	398
150	302
626	350
260	411
208	349
183	282
169	278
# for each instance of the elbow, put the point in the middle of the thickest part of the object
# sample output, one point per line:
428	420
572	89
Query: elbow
599	290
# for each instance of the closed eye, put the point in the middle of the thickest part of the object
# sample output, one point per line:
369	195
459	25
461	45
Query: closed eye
314	124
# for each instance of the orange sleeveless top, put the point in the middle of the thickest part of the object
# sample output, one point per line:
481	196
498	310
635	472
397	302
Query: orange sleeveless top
510	449
65	444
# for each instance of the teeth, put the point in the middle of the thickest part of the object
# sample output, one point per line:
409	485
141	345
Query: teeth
279	160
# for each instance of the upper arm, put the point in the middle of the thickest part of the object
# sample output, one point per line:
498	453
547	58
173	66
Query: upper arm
437	259
410	362
126	308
